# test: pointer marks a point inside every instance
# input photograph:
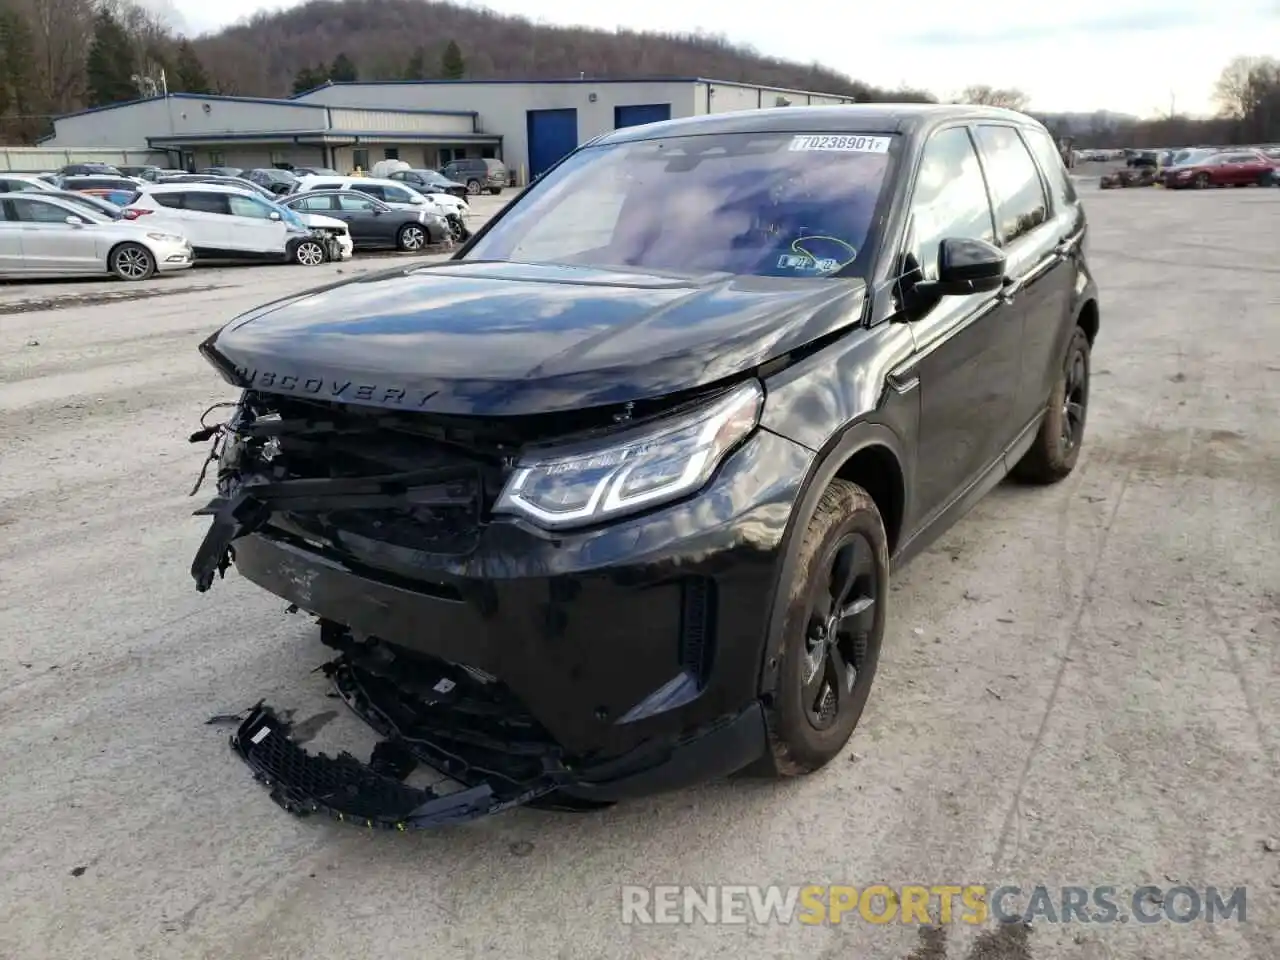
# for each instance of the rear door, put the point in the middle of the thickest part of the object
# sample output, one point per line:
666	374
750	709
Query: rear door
1049	256
204	220
50	244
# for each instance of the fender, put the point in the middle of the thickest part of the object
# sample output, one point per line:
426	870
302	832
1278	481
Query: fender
857	436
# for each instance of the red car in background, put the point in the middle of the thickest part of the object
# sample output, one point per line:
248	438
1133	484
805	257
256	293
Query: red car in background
1227	169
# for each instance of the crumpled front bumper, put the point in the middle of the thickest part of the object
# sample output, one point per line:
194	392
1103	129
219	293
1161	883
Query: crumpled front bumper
376	795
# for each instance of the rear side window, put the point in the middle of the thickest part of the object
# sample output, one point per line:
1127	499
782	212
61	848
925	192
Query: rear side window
168	199
950	200
1021	205
203	202
1055	171
373	190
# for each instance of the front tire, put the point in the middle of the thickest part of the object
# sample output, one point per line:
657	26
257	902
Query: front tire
473	187
832	629
1201	181
132	262
411	238
308	253
1056	449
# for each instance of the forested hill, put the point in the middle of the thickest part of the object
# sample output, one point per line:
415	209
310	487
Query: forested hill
407	39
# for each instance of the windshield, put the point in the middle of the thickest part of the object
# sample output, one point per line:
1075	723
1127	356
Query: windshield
759	204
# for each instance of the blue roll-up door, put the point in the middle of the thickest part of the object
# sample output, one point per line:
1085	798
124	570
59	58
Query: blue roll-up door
638	113
552	134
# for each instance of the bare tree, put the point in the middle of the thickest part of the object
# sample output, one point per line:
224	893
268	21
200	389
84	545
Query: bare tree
1010	97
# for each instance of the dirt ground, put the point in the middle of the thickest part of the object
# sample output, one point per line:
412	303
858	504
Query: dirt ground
1080	685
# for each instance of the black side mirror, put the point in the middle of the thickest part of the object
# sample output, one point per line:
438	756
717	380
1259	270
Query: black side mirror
965	266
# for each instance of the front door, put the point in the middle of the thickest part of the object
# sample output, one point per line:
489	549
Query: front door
363	219
253	229
967	348
50	244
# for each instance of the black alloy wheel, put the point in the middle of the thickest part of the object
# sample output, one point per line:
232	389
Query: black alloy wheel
1056	448
1074	401
841	618
822	661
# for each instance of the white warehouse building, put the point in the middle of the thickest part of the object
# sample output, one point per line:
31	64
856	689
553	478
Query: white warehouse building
528	124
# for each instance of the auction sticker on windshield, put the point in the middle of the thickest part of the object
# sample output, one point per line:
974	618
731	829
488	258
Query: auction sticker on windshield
847	144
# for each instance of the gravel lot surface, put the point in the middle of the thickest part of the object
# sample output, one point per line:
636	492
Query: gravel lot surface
1080	685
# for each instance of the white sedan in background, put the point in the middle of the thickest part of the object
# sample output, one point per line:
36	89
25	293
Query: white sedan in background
43	236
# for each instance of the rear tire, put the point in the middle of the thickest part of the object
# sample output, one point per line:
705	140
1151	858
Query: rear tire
495	190
132	262
1056	449
819	700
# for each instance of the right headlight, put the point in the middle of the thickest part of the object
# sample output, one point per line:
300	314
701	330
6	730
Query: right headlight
628	472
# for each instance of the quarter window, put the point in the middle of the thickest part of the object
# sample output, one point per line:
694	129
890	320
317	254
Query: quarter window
950	200
1021	205
1046	153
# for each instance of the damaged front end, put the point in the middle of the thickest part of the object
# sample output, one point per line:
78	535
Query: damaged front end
372	521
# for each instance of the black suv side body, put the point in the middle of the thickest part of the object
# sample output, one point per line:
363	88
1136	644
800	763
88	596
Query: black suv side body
817	430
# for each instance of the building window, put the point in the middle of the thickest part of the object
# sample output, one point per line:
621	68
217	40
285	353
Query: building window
391	153
489	153
360	158
278	159
217	158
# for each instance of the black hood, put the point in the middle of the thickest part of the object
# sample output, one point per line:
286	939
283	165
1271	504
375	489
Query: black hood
497	338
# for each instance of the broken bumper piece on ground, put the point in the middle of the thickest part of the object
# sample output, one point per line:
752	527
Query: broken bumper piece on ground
370	795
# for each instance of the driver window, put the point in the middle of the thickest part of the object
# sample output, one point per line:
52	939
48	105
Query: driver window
248	207
355	204
950	200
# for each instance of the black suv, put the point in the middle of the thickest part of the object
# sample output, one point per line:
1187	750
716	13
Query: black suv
599	508
478	174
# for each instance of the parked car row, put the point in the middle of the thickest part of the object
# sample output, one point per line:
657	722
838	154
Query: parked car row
1201	167
97	223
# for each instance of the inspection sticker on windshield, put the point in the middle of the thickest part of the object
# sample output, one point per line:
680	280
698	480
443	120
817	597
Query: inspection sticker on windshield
846	144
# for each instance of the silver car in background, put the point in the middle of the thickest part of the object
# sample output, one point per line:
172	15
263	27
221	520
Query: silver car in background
43	236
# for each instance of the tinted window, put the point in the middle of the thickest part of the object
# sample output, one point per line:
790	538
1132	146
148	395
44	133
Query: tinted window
379	191
167	199
100	183
763	204
356	204
248	207
206	202
1015	182
36	211
17	186
950	199
1051	165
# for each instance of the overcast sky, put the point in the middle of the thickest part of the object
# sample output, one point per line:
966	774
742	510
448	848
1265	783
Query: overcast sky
1135	56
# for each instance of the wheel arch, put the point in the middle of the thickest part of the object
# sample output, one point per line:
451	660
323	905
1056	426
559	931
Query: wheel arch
1088	319
867	454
